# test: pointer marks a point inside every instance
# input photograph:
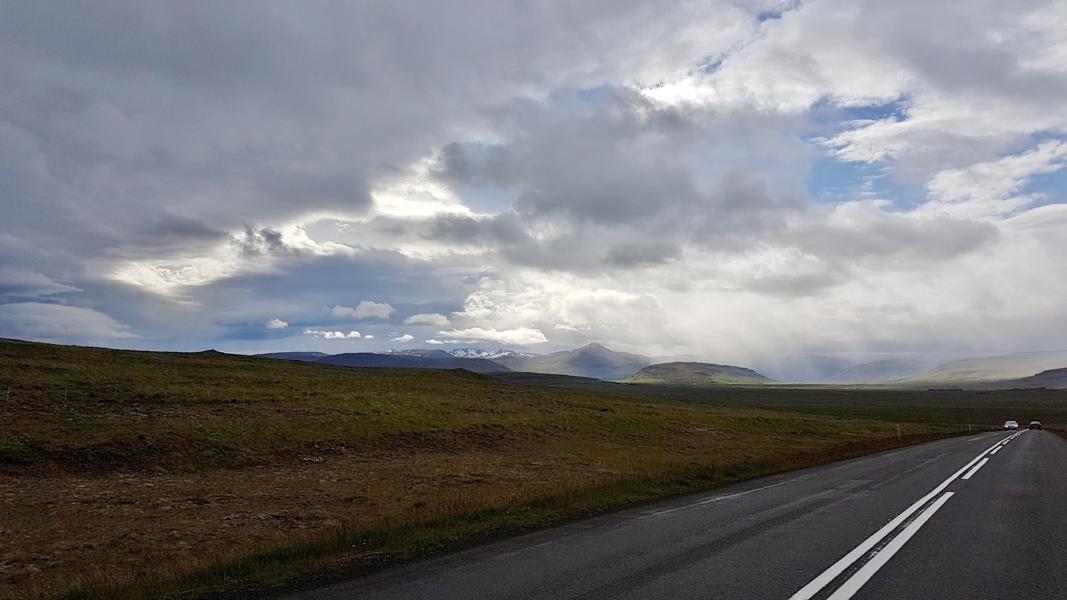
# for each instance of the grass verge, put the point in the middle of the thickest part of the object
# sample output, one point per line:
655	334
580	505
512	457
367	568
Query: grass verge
344	554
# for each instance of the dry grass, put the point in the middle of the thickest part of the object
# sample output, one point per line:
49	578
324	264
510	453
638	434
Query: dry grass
138	475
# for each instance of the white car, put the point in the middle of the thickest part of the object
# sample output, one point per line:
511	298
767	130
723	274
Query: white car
1011	424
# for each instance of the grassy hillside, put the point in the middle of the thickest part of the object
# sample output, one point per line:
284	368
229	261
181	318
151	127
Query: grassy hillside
1052	379
143	475
696	373
993	368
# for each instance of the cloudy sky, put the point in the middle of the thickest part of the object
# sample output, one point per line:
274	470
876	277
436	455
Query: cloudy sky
744	181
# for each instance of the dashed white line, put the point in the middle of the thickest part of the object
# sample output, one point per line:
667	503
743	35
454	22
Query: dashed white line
995	450
975	468
854	583
831	573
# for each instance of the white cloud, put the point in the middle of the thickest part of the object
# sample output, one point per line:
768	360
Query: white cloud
275	324
520	336
991	189
332	335
435	319
368	337
364	310
407	337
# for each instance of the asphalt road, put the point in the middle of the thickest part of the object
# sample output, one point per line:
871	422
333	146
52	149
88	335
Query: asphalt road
972	517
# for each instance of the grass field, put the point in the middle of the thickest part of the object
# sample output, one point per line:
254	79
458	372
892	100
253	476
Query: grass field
141	475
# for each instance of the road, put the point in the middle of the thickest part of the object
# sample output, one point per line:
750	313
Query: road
973	517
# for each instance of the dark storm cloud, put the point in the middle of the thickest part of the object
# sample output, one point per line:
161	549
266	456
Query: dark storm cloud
260	242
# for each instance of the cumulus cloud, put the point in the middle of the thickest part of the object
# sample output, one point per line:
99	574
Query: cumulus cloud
364	310
332	335
407	337
435	319
992	188
520	336
275	324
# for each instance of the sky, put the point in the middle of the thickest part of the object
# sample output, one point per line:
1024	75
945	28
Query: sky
751	182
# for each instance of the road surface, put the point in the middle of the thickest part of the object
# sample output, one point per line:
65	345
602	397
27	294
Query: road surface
983	516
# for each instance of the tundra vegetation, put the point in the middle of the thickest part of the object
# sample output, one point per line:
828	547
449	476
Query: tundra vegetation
145	474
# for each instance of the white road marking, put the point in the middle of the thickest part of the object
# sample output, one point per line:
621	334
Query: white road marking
995	450
854	583
974	469
824	578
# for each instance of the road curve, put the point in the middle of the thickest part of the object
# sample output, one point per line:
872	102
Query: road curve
983	516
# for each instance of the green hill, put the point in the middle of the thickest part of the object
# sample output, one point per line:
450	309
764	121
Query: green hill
697	373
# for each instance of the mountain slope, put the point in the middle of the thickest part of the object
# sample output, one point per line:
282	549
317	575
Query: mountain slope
301	356
593	360
880	371
994	368
1053	379
696	373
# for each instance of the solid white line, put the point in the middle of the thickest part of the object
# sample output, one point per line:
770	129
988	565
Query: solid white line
974	470
824	578
854	583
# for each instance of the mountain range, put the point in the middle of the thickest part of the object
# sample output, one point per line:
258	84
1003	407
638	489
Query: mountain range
394	360
987	369
1026	369
593	360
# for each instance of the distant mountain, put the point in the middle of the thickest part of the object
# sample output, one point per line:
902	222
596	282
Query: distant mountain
301	356
696	373
880	371
397	359
1053	379
593	360
994	368
402	361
